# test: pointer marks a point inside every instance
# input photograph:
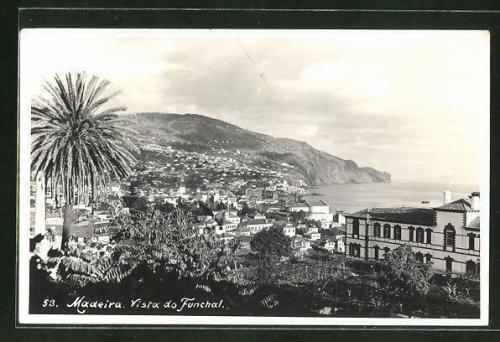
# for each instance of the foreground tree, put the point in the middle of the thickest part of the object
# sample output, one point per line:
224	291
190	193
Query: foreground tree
78	146
156	248
403	279
271	244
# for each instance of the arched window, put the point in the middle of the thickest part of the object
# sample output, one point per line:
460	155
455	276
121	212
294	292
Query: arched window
420	235
386	252
387	231
449	236
397	232
354	249
355	228
472	237
411	231
376	229
428	258
428	235
471	268
357	250
419	257
376	251
449	264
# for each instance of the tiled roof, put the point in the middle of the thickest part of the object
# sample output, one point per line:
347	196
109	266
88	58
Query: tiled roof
316	203
298	205
420	216
254	221
475	223
458	205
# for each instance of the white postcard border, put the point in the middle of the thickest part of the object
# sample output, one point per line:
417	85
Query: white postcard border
24	317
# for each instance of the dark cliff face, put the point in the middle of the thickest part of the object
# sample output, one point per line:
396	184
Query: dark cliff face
197	132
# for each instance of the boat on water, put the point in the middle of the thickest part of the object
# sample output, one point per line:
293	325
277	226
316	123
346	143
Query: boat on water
425	202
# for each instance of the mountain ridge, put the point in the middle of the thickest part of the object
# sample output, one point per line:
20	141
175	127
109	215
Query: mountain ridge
199	132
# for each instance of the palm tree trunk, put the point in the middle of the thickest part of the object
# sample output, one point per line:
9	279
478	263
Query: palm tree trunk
67	221
42	248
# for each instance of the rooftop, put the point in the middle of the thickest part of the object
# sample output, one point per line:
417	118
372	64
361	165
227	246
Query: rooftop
316	203
298	205
254	221
475	224
458	205
420	216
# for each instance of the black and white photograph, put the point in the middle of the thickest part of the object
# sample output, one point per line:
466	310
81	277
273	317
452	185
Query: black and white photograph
254	177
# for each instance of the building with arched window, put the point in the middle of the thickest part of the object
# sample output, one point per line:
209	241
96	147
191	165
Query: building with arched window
387	231
355	228
397	232
447	237
376	229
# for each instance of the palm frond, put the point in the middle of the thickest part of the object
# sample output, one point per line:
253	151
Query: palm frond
76	142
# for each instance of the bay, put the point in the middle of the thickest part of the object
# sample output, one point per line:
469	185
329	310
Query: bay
354	197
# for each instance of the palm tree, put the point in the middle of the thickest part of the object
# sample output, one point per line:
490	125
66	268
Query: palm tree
78	146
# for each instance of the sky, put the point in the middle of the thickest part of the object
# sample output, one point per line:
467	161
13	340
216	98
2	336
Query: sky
412	103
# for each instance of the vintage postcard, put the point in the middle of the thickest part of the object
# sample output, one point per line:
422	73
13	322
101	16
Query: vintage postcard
253	177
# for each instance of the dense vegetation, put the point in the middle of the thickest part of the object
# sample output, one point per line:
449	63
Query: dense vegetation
159	258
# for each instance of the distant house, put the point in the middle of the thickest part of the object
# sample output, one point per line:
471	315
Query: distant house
333	244
338	219
312	236
227	216
327	244
273	209
257	216
319	211
296	207
242	230
226	237
228	225
289	230
315	209
104	216
256	226
253	194
310	230
300	244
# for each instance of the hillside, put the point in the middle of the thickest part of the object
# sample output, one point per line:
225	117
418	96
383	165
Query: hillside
201	133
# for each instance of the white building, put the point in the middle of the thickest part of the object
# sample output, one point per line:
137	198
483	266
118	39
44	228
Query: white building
296	207
255	226
289	230
312	236
310	230
319	211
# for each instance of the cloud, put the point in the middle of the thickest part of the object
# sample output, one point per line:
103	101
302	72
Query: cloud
407	102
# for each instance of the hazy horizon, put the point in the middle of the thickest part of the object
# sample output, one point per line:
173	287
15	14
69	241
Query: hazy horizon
406	102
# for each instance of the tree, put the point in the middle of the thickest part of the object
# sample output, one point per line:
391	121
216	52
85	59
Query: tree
298	216
403	278
220	206
245	210
167	245
271	244
78	146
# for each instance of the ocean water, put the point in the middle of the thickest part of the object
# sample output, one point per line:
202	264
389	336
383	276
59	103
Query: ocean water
354	197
